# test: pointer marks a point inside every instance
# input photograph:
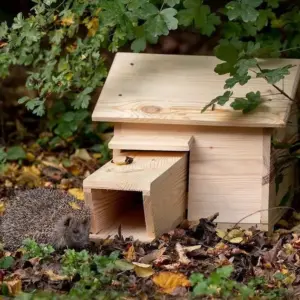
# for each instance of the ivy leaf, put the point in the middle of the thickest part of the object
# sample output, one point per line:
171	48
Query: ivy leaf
3	30
244	9
231	82
168	15
221	100
199	14
172	3
275	75
139	44
243	65
15	153
248	104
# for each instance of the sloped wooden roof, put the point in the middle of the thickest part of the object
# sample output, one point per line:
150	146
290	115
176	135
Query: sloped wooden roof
172	89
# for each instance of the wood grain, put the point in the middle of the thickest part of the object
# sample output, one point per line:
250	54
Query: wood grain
172	89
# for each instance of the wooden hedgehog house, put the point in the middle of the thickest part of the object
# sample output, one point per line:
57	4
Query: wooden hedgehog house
185	161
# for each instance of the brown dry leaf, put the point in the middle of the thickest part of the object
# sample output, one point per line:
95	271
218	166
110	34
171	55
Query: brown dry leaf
82	154
181	253
14	286
173	266
8	183
75	170
191	248
143	270
77	193
55	277
30	176
152	256
169	281
130	255
74	205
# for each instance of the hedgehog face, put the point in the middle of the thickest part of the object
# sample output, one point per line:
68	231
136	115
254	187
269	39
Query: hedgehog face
77	232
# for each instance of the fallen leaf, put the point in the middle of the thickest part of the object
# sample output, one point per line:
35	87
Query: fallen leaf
296	215
77	193
14	286
236	240
124	265
2	208
74	205
169	281
143	270
130	255
152	256
92	25
55	277
191	248
8	183
181	253
220	233
30	156
82	154
68	20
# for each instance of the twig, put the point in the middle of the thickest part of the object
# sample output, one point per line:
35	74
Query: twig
261	210
275	86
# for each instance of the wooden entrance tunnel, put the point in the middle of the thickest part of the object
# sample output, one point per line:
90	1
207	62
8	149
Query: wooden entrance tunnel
147	197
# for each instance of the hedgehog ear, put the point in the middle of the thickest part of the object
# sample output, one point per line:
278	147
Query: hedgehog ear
67	221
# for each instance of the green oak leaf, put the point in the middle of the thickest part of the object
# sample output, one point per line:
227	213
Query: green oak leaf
245	9
221	100
139	44
244	64
275	75
200	15
231	82
168	16
248	104
172	3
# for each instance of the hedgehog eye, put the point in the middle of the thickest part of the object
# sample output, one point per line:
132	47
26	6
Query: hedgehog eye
67	221
75	231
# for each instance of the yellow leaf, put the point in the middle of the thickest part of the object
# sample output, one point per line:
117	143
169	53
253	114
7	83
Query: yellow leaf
77	193
74	205
221	233
30	156
130	254
169	281
2	208
97	155
68	20
82	154
55	277
236	240
143	270
69	76
8	183
92	26
14	286
235	233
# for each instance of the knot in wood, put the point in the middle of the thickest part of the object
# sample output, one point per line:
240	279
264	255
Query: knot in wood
151	109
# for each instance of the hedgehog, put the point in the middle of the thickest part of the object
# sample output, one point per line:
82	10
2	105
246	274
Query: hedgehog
46	216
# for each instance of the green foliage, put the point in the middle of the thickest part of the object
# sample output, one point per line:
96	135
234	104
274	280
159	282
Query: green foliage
33	249
219	285
6	262
15	153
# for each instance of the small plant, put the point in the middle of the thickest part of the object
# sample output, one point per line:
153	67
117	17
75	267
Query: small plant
32	249
220	285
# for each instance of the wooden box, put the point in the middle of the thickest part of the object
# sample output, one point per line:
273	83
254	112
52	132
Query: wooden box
217	161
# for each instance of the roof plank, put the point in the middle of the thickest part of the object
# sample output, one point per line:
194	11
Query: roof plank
172	89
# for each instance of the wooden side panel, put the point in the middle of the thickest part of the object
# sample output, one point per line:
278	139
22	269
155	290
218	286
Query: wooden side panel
169	198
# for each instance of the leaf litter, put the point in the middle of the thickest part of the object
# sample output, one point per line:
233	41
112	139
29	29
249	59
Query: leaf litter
161	269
